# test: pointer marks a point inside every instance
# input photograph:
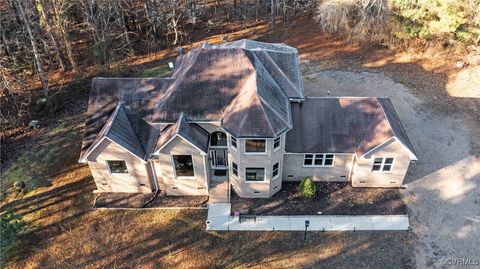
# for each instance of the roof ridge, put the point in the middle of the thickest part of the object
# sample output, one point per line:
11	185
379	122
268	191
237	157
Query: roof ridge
267	118
262	100
399	138
389	125
112	117
281	71
131	128
179	120
385	115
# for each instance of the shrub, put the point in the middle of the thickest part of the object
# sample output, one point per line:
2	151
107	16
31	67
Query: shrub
362	20
359	20
308	188
11	225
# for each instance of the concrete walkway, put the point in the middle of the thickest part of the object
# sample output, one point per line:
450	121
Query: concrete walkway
219	219
218	192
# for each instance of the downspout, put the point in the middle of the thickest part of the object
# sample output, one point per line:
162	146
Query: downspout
157	189
205	163
351	169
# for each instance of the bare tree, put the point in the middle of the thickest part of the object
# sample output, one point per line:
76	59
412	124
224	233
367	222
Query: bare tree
59	7
272	15
45	22
38	64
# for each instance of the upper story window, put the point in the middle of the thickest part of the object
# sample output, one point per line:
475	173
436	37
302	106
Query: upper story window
183	166
382	164
255	145
275	171
318	160
117	167
276	143
255	174
218	139
234	169
233	142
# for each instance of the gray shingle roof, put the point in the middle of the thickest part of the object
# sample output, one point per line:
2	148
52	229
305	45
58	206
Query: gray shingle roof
233	82
339	125
395	123
245	84
128	131
139	95
191	132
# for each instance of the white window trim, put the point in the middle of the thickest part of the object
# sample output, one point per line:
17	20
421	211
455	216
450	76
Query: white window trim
233	174
279	145
382	165
255	153
323	160
175	172
278	172
236	142
213	147
264	175
117	174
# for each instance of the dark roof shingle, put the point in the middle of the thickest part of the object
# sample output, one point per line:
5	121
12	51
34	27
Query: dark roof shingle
139	95
127	130
340	125
191	132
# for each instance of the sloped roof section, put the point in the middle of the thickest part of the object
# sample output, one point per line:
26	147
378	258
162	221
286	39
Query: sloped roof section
280	60
120	130
338	125
191	132
140	95
396	124
244	89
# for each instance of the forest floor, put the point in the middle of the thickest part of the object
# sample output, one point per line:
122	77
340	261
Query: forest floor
62	230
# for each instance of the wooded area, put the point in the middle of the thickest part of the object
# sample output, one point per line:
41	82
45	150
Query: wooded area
43	35
40	36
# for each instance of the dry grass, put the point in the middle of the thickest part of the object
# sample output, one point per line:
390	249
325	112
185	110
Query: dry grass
64	232
358	20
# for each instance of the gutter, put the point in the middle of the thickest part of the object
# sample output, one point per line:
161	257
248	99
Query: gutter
157	189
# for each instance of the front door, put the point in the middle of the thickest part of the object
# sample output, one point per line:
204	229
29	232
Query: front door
218	158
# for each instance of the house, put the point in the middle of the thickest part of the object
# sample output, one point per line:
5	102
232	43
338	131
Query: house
237	112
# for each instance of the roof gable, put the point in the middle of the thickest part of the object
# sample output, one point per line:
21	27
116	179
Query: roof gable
396	125
190	132
119	130
140	95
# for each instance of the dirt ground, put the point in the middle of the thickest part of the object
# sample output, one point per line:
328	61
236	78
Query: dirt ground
442	198
141	200
443	194
333	198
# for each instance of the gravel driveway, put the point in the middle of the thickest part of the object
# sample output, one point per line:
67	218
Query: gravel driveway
443	194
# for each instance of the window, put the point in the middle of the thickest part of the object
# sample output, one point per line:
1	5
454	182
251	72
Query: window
275	171
382	164
233	142
254	174
183	166
255	145
318	159
276	143
234	169
308	160
218	139
117	167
